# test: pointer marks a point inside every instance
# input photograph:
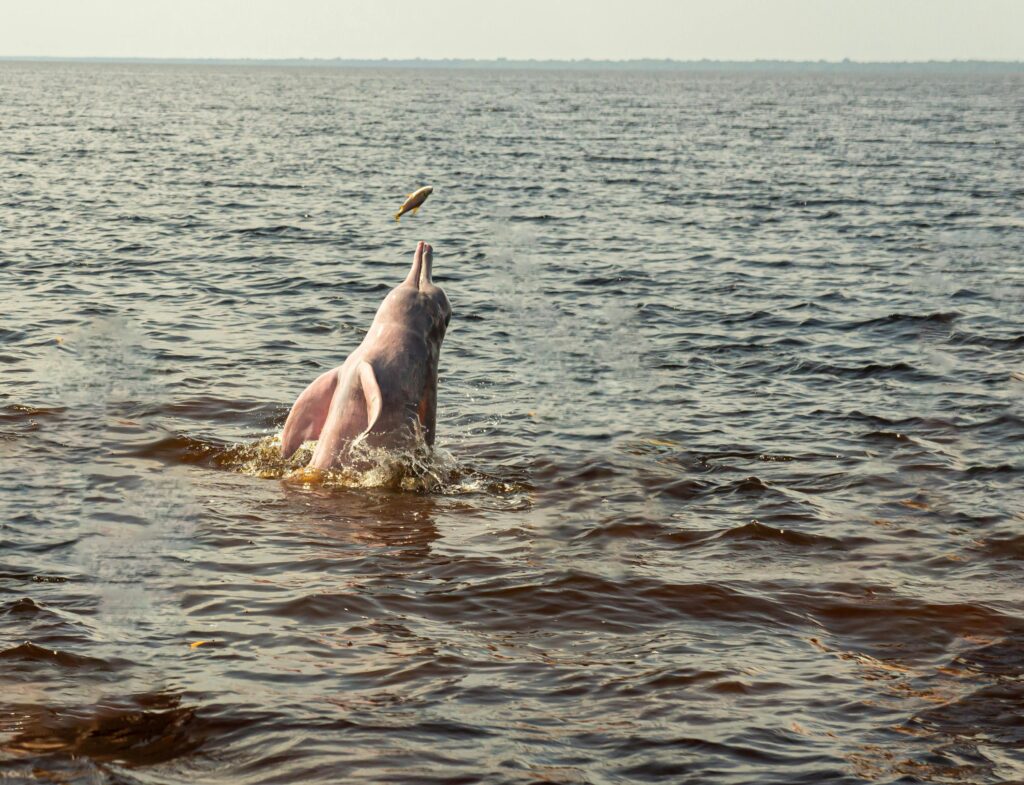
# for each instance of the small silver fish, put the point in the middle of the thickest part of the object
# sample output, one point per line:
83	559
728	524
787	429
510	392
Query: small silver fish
414	200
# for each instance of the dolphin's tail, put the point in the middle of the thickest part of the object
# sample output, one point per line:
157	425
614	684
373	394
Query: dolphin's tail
398	215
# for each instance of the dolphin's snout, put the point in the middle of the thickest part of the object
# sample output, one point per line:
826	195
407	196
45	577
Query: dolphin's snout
422	266
428	266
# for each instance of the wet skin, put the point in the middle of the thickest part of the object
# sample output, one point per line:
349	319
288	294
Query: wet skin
385	393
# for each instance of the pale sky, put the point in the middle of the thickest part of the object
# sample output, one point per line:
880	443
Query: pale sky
486	29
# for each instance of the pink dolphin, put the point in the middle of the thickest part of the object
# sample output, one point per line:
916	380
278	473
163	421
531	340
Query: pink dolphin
385	393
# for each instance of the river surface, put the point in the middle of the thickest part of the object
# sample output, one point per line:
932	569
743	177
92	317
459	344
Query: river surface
729	485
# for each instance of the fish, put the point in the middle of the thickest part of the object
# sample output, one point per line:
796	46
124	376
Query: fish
414	200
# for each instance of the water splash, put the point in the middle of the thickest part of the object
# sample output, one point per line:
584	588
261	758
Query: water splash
415	469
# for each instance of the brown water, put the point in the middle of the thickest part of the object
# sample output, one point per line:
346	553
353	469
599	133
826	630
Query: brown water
731	453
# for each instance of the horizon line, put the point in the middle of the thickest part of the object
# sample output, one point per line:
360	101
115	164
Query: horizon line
505	62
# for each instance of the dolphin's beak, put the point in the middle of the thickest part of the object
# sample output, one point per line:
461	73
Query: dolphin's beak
428	266
422	266
413	278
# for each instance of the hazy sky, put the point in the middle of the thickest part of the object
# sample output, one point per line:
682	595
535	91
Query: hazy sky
680	29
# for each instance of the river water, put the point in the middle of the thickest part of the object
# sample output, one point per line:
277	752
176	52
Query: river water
729	485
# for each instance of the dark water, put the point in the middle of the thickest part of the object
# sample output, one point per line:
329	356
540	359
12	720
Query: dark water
731	480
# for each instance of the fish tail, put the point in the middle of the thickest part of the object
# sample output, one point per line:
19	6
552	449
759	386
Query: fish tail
397	216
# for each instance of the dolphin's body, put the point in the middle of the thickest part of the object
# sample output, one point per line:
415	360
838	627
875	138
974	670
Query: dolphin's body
385	393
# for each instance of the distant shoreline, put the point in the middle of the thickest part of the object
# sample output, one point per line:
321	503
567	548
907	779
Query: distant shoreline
995	66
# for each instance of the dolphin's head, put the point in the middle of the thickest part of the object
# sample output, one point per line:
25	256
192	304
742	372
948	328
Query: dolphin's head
422	303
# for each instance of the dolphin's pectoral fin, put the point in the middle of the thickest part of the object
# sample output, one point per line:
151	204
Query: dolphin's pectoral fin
371	394
309	412
417	207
